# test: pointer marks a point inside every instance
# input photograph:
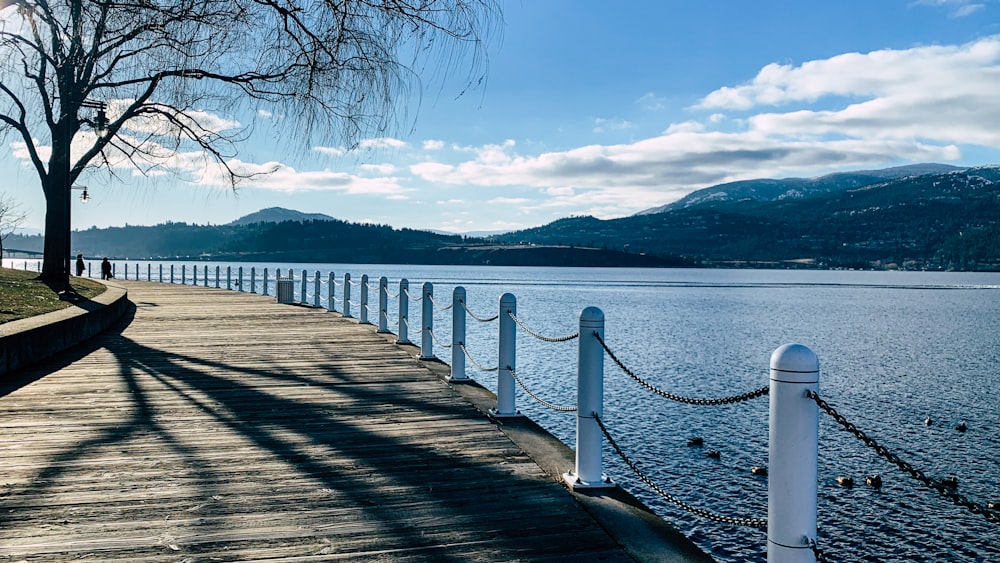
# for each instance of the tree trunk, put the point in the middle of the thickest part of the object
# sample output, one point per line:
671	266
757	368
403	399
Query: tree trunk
55	265
57	187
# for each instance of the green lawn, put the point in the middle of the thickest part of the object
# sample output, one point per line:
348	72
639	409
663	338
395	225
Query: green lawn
22	296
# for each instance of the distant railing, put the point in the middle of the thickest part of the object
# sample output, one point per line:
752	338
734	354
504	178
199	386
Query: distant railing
793	392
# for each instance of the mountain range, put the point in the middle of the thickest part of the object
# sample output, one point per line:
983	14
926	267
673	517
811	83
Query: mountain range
796	188
939	220
928	216
278	215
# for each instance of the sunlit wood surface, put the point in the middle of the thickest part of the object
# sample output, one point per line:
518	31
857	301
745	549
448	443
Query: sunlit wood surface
222	426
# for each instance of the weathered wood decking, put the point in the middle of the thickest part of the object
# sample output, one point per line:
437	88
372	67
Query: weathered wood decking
221	426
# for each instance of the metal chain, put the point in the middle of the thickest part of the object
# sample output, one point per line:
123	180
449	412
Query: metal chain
539	336
541	401
689	400
475	363
473	315
439	307
391	295
439	343
748	522
412	298
405	321
818	553
936	484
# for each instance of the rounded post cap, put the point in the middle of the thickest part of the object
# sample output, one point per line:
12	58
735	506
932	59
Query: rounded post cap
592	315
508	298
795	358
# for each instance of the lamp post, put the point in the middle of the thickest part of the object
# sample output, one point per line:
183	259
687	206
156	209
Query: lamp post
67	261
100	125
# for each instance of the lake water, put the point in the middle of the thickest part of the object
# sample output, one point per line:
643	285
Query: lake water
894	348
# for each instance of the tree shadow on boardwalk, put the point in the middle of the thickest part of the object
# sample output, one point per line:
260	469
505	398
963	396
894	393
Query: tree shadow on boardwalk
178	454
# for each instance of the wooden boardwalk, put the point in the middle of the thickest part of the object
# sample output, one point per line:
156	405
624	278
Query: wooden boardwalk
222	426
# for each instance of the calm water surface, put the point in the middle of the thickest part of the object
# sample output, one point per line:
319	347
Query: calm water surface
894	348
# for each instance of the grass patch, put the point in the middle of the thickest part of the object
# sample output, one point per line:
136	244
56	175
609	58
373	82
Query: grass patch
22	296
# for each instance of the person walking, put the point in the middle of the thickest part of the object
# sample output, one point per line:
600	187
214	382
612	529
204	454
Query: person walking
80	266
106	269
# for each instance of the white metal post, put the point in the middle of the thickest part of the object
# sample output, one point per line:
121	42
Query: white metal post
363	307
316	290
383	305
331	292
588	473
457	335
506	358
404	311
792	454
347	296
427	322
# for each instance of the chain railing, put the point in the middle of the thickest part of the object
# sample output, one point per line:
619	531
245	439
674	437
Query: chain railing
678	398
480	319
538	399
438	341
478	365
943	487
440	307
797	483
521	324
748	522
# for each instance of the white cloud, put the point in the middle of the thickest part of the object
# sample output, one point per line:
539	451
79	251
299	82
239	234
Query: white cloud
880	108
944	94
959	8
929	73
651	102
509	201
382	143
433	145
602	125
282	178
201	121
686	127
378	169
329	151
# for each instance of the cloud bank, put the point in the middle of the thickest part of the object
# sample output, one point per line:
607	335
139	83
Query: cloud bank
853	110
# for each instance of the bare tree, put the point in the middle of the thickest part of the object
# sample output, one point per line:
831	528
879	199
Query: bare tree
11	217
137	84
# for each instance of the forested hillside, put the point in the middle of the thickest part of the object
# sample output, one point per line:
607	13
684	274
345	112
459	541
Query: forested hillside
934	221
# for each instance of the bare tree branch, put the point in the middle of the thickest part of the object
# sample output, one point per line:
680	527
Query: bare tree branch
336	69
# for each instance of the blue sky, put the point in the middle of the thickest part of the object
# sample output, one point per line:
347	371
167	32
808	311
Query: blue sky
608	108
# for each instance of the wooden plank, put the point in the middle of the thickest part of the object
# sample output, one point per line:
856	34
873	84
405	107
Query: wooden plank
222	426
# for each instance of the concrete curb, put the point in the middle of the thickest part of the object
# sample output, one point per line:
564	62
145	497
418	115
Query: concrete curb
26	341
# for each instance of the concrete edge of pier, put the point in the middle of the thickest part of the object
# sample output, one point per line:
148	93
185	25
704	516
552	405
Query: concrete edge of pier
26	341
637	529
